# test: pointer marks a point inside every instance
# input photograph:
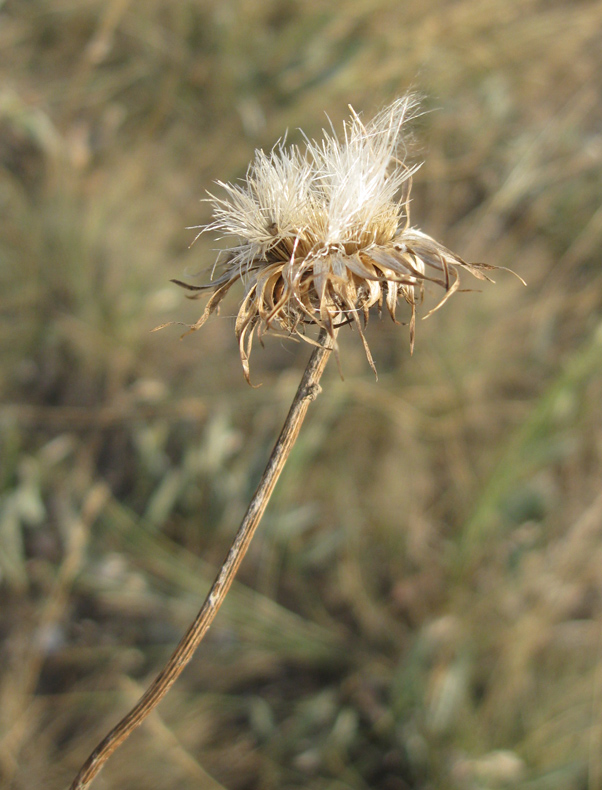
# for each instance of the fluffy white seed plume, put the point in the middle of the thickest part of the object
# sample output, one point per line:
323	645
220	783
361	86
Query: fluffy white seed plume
361	178
322	234
267	208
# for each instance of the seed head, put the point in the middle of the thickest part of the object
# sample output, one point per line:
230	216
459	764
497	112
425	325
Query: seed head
322	234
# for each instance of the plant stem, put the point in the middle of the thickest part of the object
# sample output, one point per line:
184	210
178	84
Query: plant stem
307	391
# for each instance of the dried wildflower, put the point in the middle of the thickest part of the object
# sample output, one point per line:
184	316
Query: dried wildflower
324	235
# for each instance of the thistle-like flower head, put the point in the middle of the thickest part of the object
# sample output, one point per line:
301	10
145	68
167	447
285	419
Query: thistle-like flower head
322	234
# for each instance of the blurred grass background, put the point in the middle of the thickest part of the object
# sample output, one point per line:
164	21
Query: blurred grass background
422	607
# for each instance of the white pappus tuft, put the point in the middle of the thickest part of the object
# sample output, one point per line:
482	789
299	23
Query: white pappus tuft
322	234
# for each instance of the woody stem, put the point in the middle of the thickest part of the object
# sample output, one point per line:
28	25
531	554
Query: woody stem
307	391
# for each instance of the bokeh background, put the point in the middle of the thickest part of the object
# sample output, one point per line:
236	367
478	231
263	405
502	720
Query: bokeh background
422	606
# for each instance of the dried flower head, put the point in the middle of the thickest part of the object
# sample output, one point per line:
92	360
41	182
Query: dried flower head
323	234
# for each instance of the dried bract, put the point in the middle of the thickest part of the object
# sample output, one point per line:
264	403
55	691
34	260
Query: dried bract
323	234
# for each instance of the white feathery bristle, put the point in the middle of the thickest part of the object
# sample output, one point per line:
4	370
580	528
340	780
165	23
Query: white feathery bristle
335	192
273	202
361	175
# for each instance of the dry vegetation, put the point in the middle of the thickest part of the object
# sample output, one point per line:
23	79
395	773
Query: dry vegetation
423	605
